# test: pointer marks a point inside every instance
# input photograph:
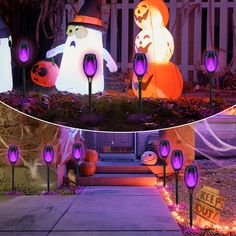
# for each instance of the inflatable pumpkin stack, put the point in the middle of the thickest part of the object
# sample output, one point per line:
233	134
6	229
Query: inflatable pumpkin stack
163	78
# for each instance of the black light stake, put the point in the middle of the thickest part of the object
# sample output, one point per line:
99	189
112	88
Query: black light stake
13	156
164	150
90	69
177	161
48	156
191	179
211	64
140	68
77	151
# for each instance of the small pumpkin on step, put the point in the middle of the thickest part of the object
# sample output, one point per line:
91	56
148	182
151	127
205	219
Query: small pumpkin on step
91	156
87	168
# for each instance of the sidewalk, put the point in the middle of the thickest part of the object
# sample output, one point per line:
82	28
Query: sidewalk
96	211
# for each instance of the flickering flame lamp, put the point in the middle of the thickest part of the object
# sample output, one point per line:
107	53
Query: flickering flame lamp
13	156
140	69
77	152
164	150
177	161
191	180
211	63
24	56
90	69
48	156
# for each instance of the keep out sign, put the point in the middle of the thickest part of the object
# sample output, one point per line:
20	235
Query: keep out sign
208	204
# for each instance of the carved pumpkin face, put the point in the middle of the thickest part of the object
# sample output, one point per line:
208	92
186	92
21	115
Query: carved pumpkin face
157	44
161	81
45	73
141	13
150	12
143	41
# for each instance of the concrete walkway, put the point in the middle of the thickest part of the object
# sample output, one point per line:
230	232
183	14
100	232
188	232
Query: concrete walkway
104	211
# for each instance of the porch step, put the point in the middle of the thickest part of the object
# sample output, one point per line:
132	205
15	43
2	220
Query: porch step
127	168
118	180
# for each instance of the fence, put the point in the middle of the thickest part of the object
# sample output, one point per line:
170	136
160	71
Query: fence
195	26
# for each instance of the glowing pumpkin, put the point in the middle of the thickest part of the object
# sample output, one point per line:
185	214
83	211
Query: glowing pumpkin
147	13
45	73
161	81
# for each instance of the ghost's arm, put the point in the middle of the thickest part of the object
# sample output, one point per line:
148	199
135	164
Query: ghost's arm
111	64
55	51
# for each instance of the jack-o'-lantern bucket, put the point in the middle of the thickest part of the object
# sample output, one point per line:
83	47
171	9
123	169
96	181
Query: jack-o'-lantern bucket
44	73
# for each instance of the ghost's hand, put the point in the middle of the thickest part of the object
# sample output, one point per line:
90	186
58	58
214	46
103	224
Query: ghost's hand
55	51
112	66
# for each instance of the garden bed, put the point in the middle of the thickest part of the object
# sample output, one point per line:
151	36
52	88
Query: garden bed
116	111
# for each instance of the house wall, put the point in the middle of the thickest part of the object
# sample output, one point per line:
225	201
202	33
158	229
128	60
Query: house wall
180	138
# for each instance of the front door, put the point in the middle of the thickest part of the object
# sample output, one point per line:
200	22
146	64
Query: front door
116	143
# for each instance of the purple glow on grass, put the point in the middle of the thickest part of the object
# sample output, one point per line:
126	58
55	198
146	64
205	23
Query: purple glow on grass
90	65
13	154
191	176
140	64
77	151
211	61
24	52
164	148
48	154
177	160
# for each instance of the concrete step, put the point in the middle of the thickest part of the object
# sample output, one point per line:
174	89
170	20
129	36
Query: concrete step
129	168
118	180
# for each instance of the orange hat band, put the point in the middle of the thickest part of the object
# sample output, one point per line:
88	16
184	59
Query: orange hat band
88	20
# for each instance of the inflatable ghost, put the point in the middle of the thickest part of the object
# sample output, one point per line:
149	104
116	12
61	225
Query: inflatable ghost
6	83
83	36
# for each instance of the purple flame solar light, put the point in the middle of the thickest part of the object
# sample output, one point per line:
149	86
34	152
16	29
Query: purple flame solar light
211	61
90	65
140	64
177	160
77	151
24	52
48	154
13	154
164	148
191	176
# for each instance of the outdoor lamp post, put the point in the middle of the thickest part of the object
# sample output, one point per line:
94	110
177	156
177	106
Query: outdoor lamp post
90	69
164	150
24	58
13	156
177	161
77	151
211	64
140	68
48	156
191	179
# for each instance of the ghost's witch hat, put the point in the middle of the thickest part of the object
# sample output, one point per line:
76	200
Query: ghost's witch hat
90	15
4	30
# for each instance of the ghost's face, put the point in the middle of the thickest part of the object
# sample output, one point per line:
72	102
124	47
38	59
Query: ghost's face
76	33
80	41
143	41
